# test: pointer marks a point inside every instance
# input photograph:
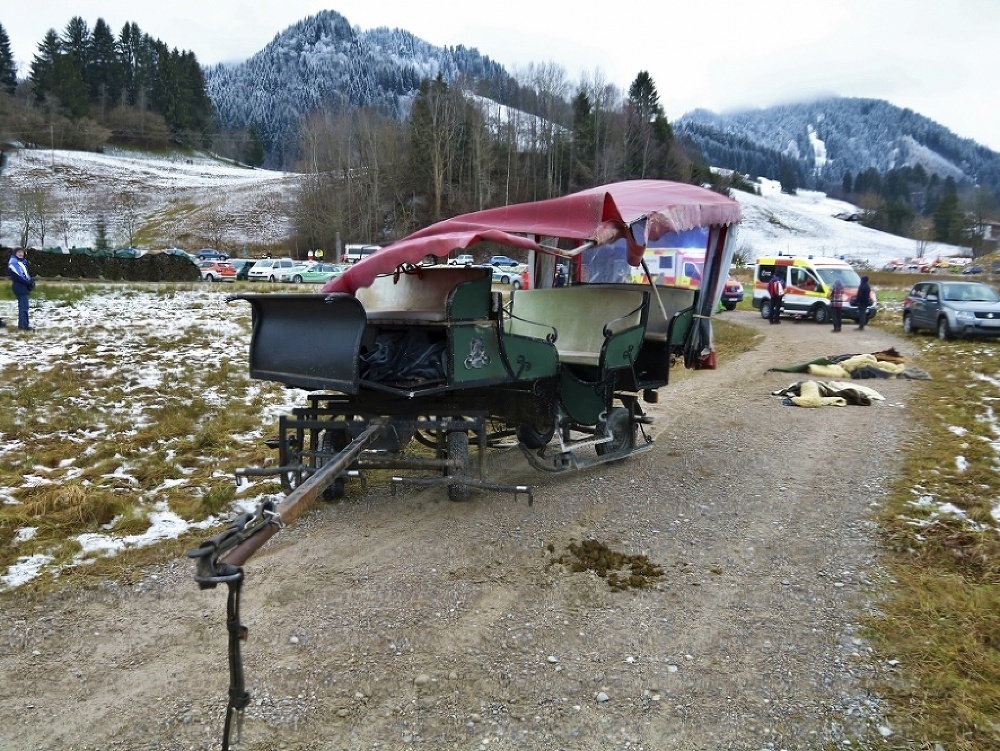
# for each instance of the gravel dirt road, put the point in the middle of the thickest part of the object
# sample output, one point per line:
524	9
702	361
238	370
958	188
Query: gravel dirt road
411	622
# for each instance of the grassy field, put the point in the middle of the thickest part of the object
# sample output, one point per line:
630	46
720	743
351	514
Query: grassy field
119	418
941	534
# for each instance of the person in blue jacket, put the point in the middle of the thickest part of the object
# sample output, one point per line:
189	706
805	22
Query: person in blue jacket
22	284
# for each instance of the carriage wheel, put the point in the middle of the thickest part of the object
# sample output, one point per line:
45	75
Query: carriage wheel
533	438
289	453
458	449
622	429
333	441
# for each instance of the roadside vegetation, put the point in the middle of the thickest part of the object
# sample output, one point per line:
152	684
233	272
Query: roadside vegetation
126	419
137	408
940	525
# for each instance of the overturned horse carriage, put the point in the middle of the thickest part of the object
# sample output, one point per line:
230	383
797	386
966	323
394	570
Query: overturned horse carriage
419	366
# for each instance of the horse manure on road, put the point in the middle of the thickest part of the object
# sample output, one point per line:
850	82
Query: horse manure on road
620	570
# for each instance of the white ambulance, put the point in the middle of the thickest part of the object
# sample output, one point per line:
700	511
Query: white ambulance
808	282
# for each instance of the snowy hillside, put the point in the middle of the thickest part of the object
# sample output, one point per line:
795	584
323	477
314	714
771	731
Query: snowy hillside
806	223
175	201
198	202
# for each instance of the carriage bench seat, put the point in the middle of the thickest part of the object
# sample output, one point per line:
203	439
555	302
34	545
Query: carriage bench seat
431	295
670	316
583	319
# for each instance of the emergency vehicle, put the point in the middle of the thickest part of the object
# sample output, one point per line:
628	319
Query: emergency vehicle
808	283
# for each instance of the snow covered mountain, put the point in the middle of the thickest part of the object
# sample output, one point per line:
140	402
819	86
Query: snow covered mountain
323	63
829	137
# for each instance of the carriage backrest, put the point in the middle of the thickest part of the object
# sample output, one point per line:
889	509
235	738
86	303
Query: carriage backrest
433	293
583	317
674	299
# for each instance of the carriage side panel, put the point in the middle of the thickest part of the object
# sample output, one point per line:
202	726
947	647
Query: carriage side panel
306	341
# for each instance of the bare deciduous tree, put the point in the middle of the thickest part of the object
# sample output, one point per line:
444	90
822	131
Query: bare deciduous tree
128	211
35	211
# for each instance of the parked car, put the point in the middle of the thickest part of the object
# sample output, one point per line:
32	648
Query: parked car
465	259
269	269
972	270
239	263
952	309
243	266
210	254
181	253
732	294
217	271
503	261
516	277
285	274
314	273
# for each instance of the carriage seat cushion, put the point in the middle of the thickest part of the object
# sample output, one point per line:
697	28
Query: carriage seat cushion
419	297
579	316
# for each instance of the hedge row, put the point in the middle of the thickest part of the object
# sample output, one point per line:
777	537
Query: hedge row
158	267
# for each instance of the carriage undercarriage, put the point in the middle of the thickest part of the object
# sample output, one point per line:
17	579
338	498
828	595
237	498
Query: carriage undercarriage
446	447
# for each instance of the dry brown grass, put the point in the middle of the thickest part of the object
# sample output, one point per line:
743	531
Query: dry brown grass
942	616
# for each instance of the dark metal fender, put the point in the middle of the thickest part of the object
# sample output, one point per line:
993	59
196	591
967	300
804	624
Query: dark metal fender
307	341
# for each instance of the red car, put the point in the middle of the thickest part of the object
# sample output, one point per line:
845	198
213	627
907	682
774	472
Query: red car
217	271
732	294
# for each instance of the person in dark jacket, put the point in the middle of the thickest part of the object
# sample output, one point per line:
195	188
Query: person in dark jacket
22	284
864	300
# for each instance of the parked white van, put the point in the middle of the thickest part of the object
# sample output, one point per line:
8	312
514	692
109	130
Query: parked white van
269	269
808	282
355	253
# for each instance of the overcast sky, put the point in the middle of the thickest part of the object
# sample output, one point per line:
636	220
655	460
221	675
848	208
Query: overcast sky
934	57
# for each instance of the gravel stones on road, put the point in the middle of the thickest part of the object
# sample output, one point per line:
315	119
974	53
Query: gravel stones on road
408	621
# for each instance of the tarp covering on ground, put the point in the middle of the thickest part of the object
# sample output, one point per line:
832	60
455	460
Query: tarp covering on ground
828	394
883	364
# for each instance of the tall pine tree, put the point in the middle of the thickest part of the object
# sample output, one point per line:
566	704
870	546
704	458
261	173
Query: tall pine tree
648	134
105	74
43	67
8	72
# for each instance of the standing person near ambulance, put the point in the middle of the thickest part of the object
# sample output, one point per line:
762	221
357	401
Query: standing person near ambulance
863	301
776	291
21	284
838	297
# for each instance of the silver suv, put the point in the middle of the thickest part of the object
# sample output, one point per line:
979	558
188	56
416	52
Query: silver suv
952	309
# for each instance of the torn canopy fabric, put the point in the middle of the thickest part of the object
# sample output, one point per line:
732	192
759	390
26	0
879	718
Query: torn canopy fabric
639	210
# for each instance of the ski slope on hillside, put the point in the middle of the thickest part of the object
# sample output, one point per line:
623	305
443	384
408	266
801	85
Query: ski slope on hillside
806	224
179	201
